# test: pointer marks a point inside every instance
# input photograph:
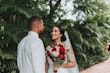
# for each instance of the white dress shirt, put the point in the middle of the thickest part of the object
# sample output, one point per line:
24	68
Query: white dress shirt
31	54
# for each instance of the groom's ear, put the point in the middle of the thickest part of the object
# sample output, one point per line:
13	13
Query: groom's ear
38	24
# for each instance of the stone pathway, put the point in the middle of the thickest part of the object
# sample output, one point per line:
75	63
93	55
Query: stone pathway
103	67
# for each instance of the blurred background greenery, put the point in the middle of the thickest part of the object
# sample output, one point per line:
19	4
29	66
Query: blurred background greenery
88	33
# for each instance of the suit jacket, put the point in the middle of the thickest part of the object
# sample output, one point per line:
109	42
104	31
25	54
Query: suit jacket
31	54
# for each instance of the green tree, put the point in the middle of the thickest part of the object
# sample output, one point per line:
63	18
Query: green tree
13	22
90	32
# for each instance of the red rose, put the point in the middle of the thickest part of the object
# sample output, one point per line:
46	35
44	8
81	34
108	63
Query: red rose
55	70
62	57
60	45
62	49
48	53
54	49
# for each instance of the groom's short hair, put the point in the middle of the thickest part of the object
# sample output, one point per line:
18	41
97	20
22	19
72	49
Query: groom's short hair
32	20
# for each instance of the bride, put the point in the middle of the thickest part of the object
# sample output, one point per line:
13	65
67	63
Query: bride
60	56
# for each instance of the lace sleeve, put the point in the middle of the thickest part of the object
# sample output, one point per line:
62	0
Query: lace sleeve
70	55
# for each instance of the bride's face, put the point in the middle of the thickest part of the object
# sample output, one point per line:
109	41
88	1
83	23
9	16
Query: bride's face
56	33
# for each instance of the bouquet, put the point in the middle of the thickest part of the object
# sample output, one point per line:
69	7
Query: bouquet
57	54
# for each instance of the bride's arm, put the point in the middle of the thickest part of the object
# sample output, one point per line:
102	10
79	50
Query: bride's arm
70	64
46	66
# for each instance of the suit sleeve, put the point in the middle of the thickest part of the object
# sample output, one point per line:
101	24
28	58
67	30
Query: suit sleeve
38	56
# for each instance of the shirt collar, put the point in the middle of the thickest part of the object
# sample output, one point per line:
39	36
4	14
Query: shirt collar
33	33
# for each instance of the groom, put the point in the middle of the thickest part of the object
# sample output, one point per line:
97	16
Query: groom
31	53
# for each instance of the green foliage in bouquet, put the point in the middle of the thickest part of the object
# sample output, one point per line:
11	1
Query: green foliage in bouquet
59	61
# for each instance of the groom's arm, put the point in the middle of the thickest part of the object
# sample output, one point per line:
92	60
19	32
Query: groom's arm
38	56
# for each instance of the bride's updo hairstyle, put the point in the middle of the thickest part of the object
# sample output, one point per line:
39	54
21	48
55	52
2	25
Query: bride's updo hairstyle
62	31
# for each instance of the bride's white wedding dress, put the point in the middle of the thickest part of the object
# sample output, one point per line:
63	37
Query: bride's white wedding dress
60	69
68	57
